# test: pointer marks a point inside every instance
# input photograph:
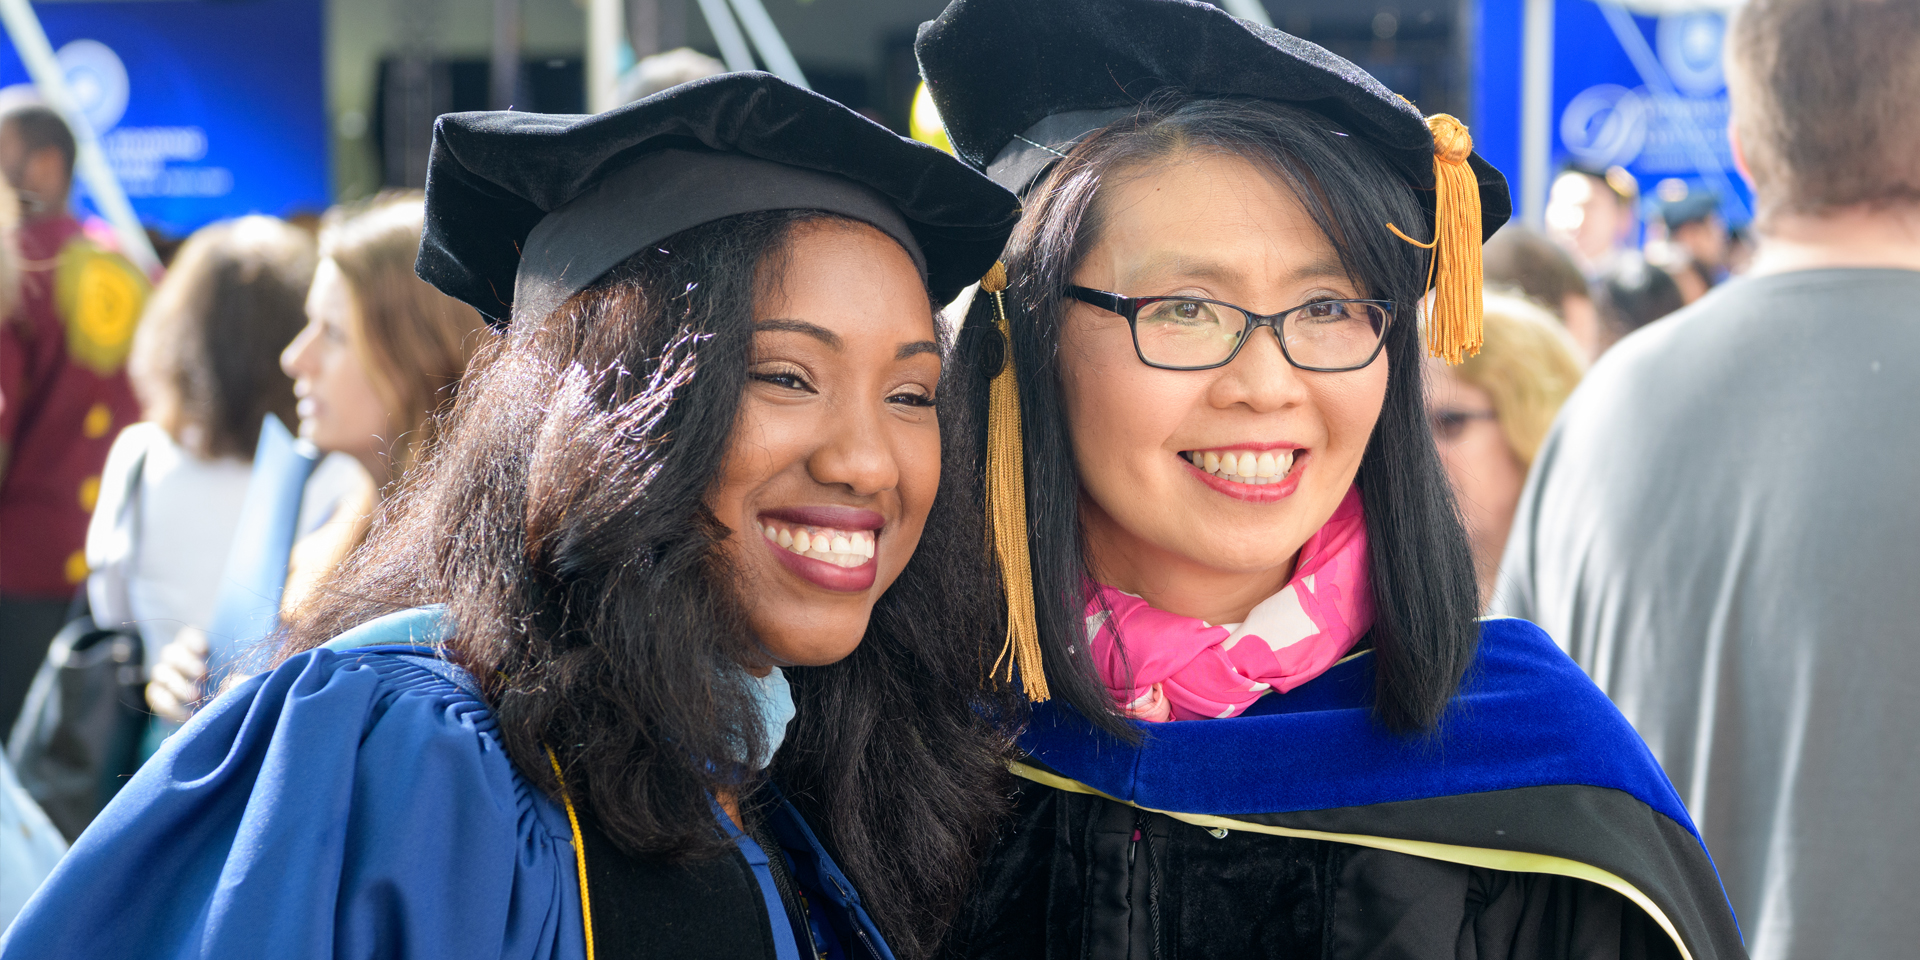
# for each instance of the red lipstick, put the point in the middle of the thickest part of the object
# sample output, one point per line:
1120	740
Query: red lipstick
826	575
1251	493
820	573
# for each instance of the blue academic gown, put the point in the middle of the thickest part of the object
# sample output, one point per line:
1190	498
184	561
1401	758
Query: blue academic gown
353	802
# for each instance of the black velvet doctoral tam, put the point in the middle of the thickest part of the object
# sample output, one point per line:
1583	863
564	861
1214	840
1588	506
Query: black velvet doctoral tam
1018	81
525	209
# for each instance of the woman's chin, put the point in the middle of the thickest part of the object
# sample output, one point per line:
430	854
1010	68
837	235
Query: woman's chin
797	633
811	651
1239	549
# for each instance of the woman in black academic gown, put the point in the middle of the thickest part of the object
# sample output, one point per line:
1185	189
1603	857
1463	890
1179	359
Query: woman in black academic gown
679	602
1271	724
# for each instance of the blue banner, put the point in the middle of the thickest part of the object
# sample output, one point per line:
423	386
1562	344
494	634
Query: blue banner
205	109
1645	93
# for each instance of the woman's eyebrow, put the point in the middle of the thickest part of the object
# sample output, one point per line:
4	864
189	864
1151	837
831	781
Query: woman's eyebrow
1201	268
1181	265
916	348
815	331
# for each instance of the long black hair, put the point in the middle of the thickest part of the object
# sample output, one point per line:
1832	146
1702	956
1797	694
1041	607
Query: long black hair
1424	630
562	518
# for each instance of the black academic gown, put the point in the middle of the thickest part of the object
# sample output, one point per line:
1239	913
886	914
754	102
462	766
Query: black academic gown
1533	825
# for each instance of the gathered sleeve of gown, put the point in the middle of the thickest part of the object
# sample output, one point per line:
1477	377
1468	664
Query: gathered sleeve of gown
353	804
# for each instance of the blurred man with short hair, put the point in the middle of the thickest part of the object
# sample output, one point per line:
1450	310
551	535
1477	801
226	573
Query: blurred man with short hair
1522	259
1594	214
1723	527
63	393
1696	241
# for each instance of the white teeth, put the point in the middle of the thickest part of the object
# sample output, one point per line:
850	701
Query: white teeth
842	548
1255	468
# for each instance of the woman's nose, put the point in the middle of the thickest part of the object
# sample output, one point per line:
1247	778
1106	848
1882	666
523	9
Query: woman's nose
1260	377
856	455
293	358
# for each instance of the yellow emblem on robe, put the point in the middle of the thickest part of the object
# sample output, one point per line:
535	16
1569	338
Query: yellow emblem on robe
99	296
97	422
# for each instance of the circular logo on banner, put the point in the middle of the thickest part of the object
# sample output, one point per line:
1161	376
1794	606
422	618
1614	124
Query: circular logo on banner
1605	125
1689	46
98	80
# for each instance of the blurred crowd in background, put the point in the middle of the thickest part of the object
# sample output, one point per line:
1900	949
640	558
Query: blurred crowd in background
1609	263
159	513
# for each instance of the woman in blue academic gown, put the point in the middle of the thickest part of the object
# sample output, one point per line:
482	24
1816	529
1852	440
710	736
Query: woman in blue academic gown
1272	726
672	610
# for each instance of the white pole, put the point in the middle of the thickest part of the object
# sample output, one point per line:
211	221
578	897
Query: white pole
30	40
503	75
1248	10
766	36
1536	112
606	26
726	35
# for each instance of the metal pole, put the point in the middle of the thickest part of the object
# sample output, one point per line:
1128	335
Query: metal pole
503	74
644	28
726	35
1248	10
30	40
606	28
1536	112
773	47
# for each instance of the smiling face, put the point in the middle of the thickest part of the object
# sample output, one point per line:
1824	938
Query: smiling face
340	409
1207	539
835	457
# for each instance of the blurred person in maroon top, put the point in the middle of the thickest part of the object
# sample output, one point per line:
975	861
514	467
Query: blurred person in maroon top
64	392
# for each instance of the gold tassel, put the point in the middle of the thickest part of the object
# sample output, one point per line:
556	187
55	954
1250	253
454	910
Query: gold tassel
1007	505
1453	328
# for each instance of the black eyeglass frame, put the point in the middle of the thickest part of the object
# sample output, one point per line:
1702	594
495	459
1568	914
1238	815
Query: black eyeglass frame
1129	308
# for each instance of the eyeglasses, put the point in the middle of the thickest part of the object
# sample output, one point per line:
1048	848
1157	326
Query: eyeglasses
1449	425
1189	333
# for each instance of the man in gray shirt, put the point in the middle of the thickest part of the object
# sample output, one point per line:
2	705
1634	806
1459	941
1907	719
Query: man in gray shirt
1724	526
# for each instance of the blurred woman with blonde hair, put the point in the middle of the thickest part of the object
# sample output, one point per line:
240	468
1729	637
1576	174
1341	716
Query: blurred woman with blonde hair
377	359
1491	413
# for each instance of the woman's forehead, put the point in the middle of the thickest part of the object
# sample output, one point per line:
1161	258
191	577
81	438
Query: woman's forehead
1221	220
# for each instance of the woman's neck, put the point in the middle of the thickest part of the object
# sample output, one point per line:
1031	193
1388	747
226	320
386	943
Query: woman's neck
1174	582
377	466
730	804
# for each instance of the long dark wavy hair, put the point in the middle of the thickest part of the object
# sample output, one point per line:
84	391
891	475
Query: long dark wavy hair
562	518
1424	631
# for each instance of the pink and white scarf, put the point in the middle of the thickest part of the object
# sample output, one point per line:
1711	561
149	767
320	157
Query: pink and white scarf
1181	668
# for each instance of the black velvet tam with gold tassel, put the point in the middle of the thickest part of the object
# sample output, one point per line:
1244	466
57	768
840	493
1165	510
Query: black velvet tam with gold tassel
998	68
